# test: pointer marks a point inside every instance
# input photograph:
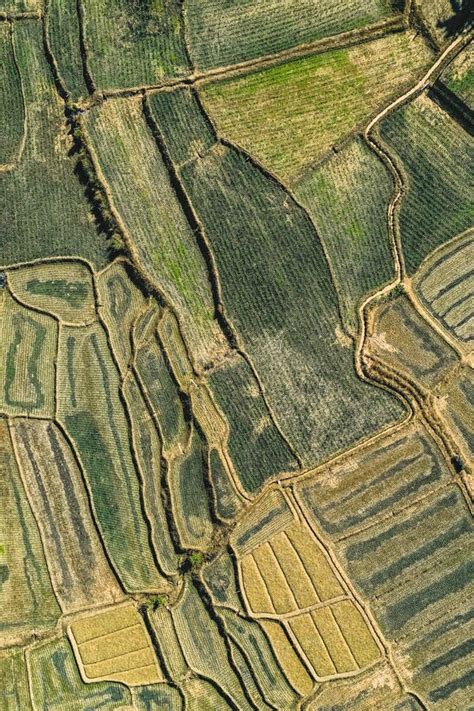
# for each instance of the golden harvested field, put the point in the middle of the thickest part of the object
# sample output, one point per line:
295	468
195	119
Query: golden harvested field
114	645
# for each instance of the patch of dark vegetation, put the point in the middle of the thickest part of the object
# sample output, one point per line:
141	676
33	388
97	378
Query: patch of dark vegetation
457	463
93	188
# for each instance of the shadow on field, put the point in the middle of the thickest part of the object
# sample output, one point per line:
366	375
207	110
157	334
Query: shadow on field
463	16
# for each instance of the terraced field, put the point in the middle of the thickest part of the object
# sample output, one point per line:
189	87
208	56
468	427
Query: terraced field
236	393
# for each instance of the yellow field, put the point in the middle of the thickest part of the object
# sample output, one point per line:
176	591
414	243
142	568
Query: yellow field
291	585
114	645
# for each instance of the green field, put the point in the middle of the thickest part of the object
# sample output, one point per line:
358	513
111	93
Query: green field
64	38
187	481
42	198
27	357
436	155
257	448
78	567
132	43
14	694
347	198
239	31
56	683
459	76
290	115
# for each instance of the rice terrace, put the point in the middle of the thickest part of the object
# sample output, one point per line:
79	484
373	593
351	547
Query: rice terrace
236	355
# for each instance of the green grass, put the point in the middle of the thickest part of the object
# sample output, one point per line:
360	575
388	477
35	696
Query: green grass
12	113
43	206
291	114
347	198
257	449
222	33
64	39
131	43
437	157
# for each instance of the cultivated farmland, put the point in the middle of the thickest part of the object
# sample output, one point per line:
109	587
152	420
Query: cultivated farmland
402	339
134	169
290	115
436	155
459	76
236	432
41	196
347	197
383	534
445	284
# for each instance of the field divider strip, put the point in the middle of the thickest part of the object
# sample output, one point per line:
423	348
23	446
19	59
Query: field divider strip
295	643
18	16
301	611
81	18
